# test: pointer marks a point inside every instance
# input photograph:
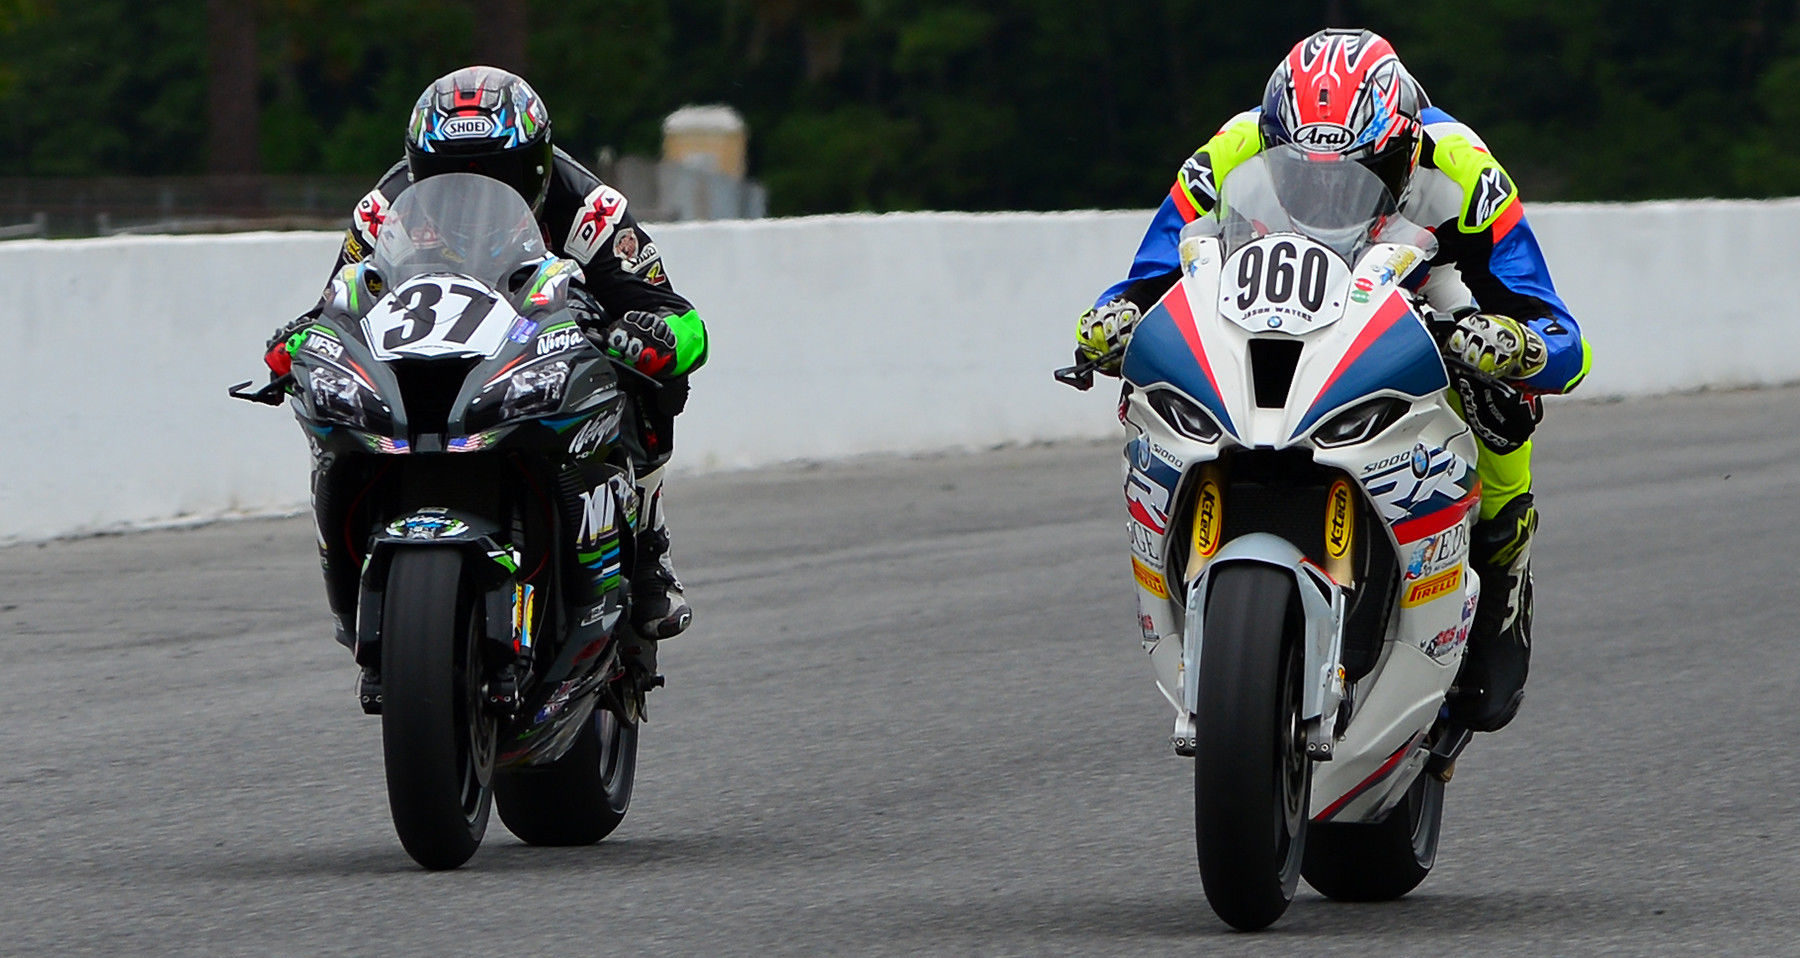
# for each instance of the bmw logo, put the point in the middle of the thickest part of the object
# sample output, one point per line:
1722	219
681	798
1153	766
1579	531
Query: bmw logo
1421	460
1274	322
1140	453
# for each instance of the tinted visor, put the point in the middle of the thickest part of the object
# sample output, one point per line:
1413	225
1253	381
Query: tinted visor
1393	166
526	170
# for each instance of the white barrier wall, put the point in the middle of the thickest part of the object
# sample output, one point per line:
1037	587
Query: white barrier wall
832	336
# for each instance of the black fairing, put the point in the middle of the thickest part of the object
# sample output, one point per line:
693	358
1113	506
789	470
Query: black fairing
432	436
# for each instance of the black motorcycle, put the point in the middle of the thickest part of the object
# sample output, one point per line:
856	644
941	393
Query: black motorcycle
473	467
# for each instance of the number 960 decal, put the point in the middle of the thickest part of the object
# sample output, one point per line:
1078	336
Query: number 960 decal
1284	283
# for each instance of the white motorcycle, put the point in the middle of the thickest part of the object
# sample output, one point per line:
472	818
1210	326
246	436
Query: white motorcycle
1301	493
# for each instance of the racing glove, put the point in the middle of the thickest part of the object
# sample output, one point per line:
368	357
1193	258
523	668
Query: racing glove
278	352
1103	331
1496	345
642	339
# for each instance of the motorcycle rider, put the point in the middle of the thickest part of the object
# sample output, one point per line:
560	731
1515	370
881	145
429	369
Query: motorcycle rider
1346	92
484	120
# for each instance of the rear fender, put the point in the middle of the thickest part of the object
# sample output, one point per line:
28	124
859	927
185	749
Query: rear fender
1322	604
490	563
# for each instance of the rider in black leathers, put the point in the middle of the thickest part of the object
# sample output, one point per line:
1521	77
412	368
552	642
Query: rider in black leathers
488	121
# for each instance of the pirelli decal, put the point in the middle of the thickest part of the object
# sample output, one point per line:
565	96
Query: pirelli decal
1150	579
1435	587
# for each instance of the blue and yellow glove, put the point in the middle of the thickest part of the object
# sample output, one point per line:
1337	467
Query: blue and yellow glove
1497	345
1102	332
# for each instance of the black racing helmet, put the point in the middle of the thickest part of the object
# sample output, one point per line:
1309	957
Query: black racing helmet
482	120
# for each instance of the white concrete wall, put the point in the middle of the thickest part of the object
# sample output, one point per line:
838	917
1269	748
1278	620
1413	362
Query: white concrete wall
832	336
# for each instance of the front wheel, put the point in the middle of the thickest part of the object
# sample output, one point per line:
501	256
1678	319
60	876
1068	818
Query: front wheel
579	798
1251	773
437	741
1380	861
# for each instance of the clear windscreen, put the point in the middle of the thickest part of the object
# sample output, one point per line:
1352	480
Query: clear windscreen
457	223
1286	190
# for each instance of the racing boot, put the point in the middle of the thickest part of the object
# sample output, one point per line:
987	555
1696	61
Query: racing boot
1492	681
659	610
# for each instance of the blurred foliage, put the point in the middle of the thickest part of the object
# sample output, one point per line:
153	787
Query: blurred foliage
908	104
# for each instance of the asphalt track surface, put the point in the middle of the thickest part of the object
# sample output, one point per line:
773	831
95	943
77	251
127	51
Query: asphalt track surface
912	718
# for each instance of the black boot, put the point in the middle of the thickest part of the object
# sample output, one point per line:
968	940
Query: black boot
659	610
1492	681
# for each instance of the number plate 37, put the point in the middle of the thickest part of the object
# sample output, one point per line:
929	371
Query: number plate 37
435	316
1284	283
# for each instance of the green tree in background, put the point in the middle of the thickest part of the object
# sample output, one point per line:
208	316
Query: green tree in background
912	104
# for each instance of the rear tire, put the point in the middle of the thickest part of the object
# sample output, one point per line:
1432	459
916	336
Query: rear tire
1380	861
579	798
1251	773
437	742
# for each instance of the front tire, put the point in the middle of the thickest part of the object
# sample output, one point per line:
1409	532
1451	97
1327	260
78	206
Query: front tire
579	798
1251	773
1380	861
437	741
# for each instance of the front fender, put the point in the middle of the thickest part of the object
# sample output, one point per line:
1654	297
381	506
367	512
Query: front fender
489	562
1322	604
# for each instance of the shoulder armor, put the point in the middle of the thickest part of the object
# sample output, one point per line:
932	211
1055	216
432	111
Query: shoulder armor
1487	192
596	219
1197	185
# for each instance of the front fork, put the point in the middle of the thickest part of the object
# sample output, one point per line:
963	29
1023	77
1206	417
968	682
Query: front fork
1323	592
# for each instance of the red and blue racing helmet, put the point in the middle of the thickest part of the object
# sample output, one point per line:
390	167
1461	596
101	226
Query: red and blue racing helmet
1346	92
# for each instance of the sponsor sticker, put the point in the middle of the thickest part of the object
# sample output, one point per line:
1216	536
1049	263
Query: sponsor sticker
1436	553
1209	520
1339	508
1397	265
1434	587
1323	137
466	127
1144	542
598	514
324	345
1445	642
1149	578
593	434
559	340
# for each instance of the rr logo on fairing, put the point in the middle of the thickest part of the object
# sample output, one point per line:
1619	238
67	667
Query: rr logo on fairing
1148	504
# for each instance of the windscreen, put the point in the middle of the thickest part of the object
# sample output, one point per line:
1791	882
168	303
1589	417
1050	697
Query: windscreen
457	223
1287	190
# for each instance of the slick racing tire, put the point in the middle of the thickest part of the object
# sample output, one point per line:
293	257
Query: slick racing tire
437	740
1251	773
579	798
1383	860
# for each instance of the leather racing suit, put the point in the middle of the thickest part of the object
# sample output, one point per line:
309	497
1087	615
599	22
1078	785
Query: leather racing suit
1488	257
585	220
